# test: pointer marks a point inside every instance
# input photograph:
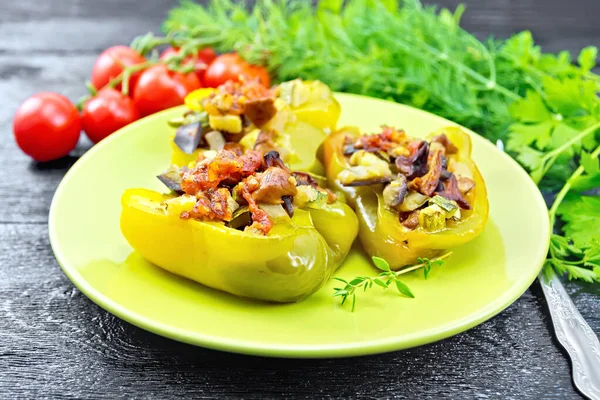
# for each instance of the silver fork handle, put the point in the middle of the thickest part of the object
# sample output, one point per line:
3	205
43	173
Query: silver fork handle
575	335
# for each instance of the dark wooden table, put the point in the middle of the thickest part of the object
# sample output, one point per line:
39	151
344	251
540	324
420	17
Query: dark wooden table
54	342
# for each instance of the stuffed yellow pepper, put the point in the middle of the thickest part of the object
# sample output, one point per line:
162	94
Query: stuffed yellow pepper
290	119
414	198
242	223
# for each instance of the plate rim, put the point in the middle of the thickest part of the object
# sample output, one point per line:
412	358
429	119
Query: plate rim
383	345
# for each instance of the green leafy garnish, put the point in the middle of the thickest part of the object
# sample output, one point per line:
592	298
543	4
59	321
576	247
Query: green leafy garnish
578	253
384	279
428	264
581	215
543	106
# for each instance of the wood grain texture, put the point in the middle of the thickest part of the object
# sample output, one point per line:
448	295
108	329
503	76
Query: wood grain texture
54	342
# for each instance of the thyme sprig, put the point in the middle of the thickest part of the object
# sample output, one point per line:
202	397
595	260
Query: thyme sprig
385	279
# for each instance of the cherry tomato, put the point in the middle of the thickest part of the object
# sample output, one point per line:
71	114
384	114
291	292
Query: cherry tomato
200	61
158	89
256	71
207	55
230	67
110	64
106	113
46	126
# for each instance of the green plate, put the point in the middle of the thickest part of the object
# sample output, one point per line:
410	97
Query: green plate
481	279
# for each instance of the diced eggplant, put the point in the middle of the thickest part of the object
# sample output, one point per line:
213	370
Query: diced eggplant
367	169
288	205
395	192
412	201
241	218
188	137
445	174
171	178
369	181
349	149
215	140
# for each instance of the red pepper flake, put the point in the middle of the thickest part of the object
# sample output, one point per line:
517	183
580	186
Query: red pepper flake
388	139
237	148
251	162
211	205
225	167
231	97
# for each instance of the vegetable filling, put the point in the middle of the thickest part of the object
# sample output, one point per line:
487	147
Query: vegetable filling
423	180
244	114
249	192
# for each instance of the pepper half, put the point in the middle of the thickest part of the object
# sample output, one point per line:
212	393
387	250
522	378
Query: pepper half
381	232
293	261
305	109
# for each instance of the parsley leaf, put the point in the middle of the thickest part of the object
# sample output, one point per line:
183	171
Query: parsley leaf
591	178
530	109
587	58
522	135
582	219
566	258
590	165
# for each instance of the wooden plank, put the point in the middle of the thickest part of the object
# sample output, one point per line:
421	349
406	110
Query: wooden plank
55	342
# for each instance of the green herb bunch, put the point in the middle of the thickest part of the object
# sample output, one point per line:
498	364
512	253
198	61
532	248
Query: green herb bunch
544	107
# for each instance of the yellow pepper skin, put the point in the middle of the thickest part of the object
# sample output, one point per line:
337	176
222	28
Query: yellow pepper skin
322	109
381	233
293	261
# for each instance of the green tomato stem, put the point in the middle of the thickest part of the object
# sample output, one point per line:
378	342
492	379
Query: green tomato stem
128	71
